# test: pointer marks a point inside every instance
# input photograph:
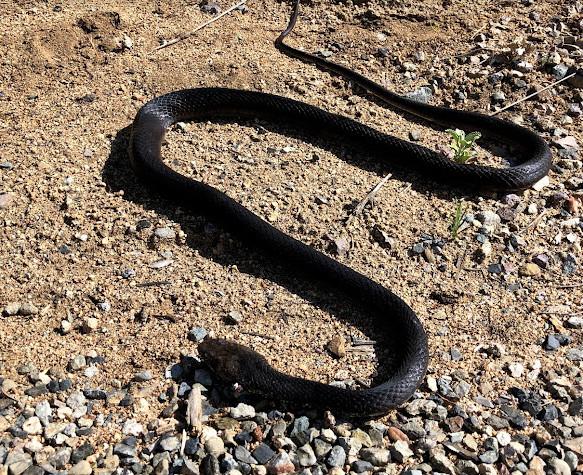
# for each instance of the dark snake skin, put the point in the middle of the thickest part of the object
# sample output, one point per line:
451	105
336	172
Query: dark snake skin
236	363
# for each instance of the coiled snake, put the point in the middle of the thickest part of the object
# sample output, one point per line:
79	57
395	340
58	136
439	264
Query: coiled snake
236	363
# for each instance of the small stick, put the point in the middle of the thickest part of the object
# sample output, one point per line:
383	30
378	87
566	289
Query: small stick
267	337
183	442
533	94
170	318
194	410
534	222
460	260
570	286
155	283
199	27
360	206
561	314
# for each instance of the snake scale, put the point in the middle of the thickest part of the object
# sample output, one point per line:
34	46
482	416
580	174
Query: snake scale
236	363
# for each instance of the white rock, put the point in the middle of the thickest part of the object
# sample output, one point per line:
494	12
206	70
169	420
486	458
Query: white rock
81	468
242	411
32	426
132	427
503	438
66	326
516	369
43	411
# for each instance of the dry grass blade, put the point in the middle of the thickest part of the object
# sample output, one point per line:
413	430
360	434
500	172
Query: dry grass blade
185	36
368	198
533	94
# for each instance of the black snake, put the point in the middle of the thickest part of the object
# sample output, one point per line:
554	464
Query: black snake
236	363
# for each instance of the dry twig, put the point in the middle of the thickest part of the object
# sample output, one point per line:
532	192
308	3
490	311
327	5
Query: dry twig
368	198
533	94
184	36
569	286
194	410
534	222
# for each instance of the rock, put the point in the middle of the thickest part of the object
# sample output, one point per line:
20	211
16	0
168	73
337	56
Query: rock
516	369
536	466
6	200
530	269
11	309
95	394
420	406
361	438
337	346
467	467
164	233
336	457
559	467
382	237
234	317
577	80
54	428
143	376
423	94
243	455
541	260
124	450
576	406
576	445
210	465
441	463
485	251
542	183
551	343
575	322
306	456
90	324
215	446
514	416
242	411
17	462
197	334
548	413
32	426
400	451
280	464
498	97
340	246
170	444
321	448
77	362
360	466
489	220
486	469
27	309
571	460
81	468
394	434
489	457
263	453
82	452
66	326
61	458
575	354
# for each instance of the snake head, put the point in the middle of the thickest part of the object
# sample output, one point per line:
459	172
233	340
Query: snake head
231	362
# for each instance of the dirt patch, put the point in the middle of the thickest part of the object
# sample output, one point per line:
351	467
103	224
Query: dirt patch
78	237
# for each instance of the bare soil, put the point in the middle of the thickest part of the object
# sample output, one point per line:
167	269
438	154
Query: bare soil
69	91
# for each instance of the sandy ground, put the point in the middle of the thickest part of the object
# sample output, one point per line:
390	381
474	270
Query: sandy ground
69	91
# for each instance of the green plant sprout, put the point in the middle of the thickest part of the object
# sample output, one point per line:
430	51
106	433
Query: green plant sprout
457	221
462	144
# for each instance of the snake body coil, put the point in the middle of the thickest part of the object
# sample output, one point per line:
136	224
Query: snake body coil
237	363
